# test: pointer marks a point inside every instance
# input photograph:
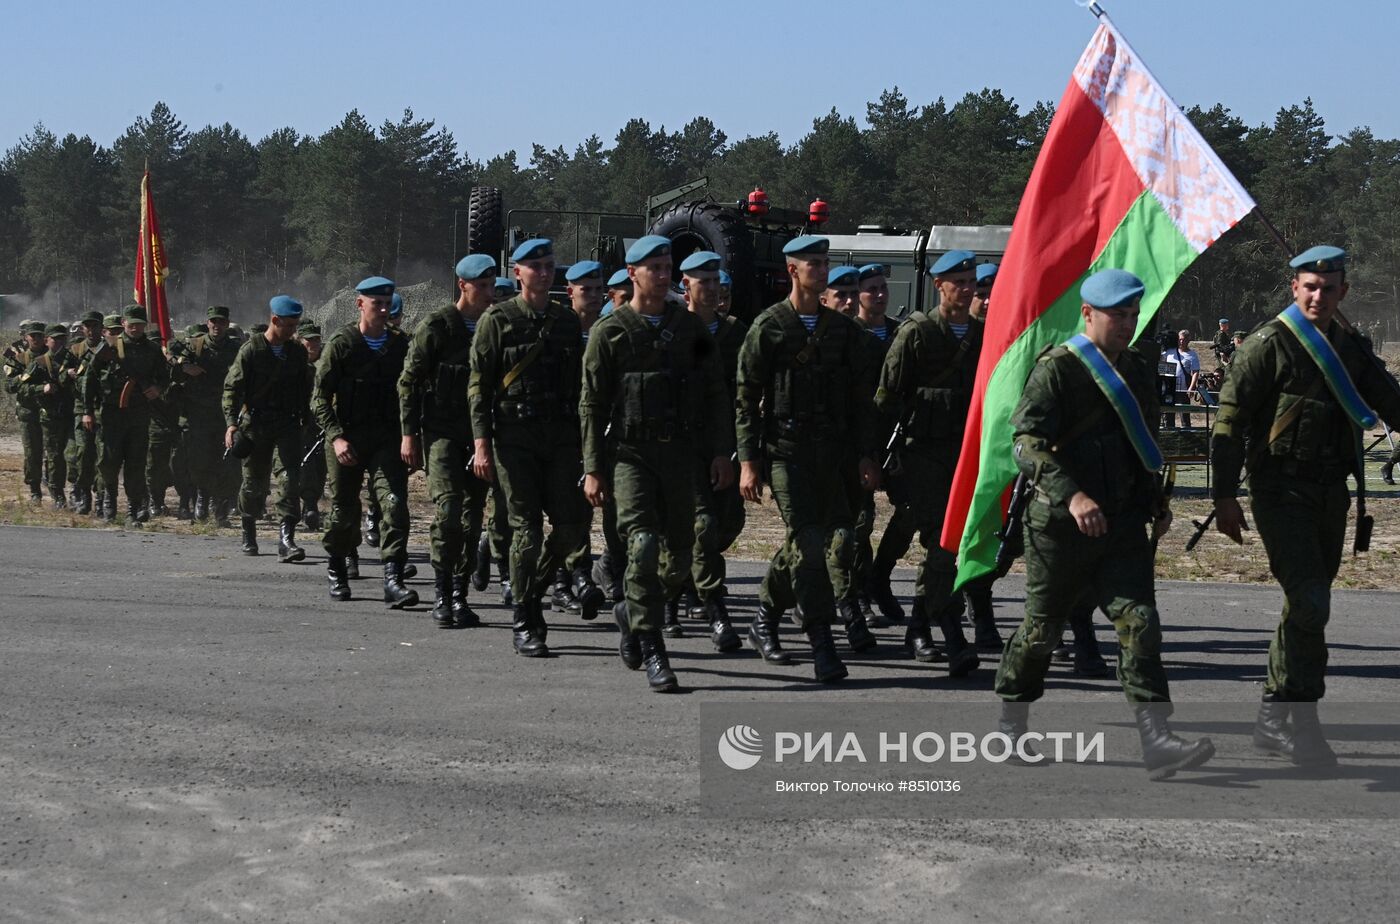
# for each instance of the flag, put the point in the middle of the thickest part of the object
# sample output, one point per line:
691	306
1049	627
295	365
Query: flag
1123	181
151	268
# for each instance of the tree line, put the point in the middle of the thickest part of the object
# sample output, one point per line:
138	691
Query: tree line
309	214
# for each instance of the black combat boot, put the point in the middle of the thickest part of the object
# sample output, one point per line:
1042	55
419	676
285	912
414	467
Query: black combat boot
722	634
525	634
395	594
221	512
250	535
287	548
352	565
109	505
84	502
984	624
155	507
607	574
826	663
201	506
36	495
481	574
671	625
311	517
135	514
890	612
1163	753
763	635
629	644
1271	731
962	657
690	602
561	597
588	597
1014	724
74	496
442	605
660	677
1388	473
371	530
858	634
184	511
541	627
462	614
918	638
338	578
1088	660
507	593
1310	748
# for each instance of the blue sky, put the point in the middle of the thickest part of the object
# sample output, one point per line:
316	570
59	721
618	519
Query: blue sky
501	75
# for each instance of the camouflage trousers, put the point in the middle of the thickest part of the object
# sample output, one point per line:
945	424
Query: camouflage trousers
539	466
81	456
257	473
378	461
656	522
460	500
811	497
56	436
719	519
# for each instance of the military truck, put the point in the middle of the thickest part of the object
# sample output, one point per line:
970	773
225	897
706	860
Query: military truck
748	234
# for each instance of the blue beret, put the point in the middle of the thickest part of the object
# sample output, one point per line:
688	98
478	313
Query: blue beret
806	246
475	266
954	261
986	271
725	279
1111	288
1320	259
505	282
619	278
533	249
584	269
375	285
871	270
284	306
646	247
701	260
842	276
396	306
1223	321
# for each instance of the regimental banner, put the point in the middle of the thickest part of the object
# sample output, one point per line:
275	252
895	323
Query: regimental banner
151	266
1123	181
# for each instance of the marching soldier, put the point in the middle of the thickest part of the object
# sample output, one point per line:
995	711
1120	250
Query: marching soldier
266	404
437	434
608	568
18	357
652	374
802	406
355	401
1085	435
373	513
978	592
1292	413
524	404
82	448
46	385
313	460
162	443
203	365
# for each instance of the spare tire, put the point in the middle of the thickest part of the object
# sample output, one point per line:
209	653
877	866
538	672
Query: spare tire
485	222
706	225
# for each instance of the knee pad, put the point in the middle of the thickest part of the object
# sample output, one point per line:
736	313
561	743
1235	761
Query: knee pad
1139	630
644	551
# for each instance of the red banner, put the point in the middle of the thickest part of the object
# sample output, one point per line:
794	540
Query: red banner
151	268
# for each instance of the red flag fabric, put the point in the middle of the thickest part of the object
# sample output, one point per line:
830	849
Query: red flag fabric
151	267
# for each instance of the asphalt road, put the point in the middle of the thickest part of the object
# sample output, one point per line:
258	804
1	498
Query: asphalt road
187	734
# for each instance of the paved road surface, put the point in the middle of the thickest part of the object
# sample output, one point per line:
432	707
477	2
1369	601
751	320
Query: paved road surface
187	734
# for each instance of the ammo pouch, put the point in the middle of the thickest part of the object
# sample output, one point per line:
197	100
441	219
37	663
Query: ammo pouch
935	414
650	407
365	402
809	403
449	395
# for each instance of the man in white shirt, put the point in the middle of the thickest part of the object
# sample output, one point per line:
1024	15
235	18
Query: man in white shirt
1188	370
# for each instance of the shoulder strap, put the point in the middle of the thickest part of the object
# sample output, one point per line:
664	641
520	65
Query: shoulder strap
536	349
954	364
809	348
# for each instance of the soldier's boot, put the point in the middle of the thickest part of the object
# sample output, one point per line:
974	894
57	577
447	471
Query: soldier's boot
560	596
1163	752
1271	731
660	677
201	506
826	663
36	494
109	505
82	502
352	565
410	570
962	657
690	602
1388	473
250	535
541	627
1014	724
1310	748
524	633
462	614
890	612
629	644
311	517
142	512
481	575
221	511
442	604
984	624
74	495
671	625
155	506
1088	659
866	608
287	548
134	514
858	634
184	511
918	638
722	634
763	635
588	596
395	594
337	576
371	530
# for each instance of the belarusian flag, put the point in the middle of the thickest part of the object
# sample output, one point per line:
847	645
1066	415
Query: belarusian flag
1123	180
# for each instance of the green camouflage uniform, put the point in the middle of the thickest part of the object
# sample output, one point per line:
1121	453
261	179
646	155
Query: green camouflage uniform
268	394
661	388
55	411
125	430
212	474
163	446
1066	569
31	431
719	515
1297	481
81	454
802	408
313	469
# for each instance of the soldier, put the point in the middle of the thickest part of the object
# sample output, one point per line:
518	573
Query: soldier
373	514
898	535
313	466
1084	433
608	567
1292	414
47	386
82	448
619	291
31	431
495	538
842	291
652	374
1223	343
436	425
524	405
726	293
203	365
123	380
801	407
356	403
183	477
266	403
925	388
162	442
978	592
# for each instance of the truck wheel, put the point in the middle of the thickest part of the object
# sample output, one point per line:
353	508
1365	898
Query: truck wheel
485	222
705	225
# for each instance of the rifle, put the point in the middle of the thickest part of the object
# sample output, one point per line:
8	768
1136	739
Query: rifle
1012	543
315	446
1202	526
890	465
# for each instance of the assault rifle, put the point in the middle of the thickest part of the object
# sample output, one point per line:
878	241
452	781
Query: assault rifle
1012	541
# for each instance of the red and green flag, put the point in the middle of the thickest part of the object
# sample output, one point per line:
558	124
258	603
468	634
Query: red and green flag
151	268
1123	181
